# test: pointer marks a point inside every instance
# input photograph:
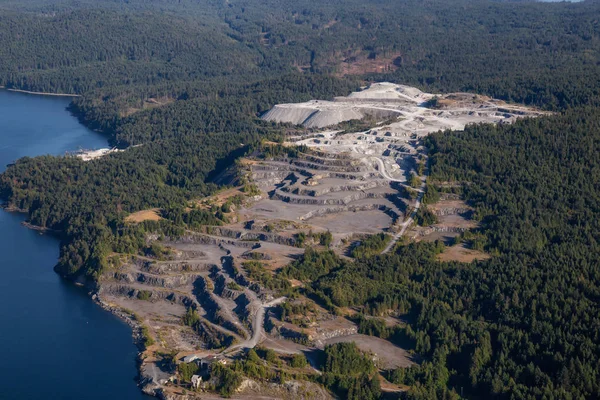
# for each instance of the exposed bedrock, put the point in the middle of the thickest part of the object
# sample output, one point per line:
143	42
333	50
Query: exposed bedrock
319	191
205	298
242	309
339	209
216	310
126	291
256	255
510	111
274	168
324	154
189	254
221	288
205	239
326	160
304	163
163	268
452	211
214	336
360	175
323	167
169	282
263	180
228	266
251	236
381	114
319	201
442	229
322	335
219	282
278	171
241	279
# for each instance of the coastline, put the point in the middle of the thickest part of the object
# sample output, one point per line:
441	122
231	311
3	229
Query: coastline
124	316
36	227
22	220
136	334
145	383
40	93
12	209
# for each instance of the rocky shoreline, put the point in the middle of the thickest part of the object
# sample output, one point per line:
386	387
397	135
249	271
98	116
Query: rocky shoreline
145	383
41	93
9	208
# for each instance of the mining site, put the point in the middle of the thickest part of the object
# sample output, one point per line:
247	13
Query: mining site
358	168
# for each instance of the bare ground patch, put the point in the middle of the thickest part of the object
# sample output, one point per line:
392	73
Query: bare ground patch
388	387
144	215
462	254
453	218
456	221
450	206
389	356
221	197
358	64
371	221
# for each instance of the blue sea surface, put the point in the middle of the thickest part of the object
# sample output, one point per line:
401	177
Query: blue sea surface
55	342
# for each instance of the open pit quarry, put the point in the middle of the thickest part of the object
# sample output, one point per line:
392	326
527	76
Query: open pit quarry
346	183
414	111
355	182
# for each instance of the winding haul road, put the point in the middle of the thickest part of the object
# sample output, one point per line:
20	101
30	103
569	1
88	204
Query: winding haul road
409	220
258	329
405	225
382	170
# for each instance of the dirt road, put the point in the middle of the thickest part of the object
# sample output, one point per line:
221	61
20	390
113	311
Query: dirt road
258	328
408	221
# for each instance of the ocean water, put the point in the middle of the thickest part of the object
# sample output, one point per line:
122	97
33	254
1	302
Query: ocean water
55	342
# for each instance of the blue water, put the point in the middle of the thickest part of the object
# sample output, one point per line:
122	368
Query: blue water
55	343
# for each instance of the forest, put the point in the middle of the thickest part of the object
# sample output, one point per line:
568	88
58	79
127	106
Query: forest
185	82
524	324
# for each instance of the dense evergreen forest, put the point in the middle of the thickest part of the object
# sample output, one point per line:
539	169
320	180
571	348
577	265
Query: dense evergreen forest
186	81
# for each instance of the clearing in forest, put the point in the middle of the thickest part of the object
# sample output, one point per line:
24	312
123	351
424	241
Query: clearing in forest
144	215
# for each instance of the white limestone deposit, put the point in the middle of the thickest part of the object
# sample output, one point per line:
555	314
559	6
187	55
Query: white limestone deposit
419	111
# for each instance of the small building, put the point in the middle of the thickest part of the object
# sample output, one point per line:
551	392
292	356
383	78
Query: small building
196	381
